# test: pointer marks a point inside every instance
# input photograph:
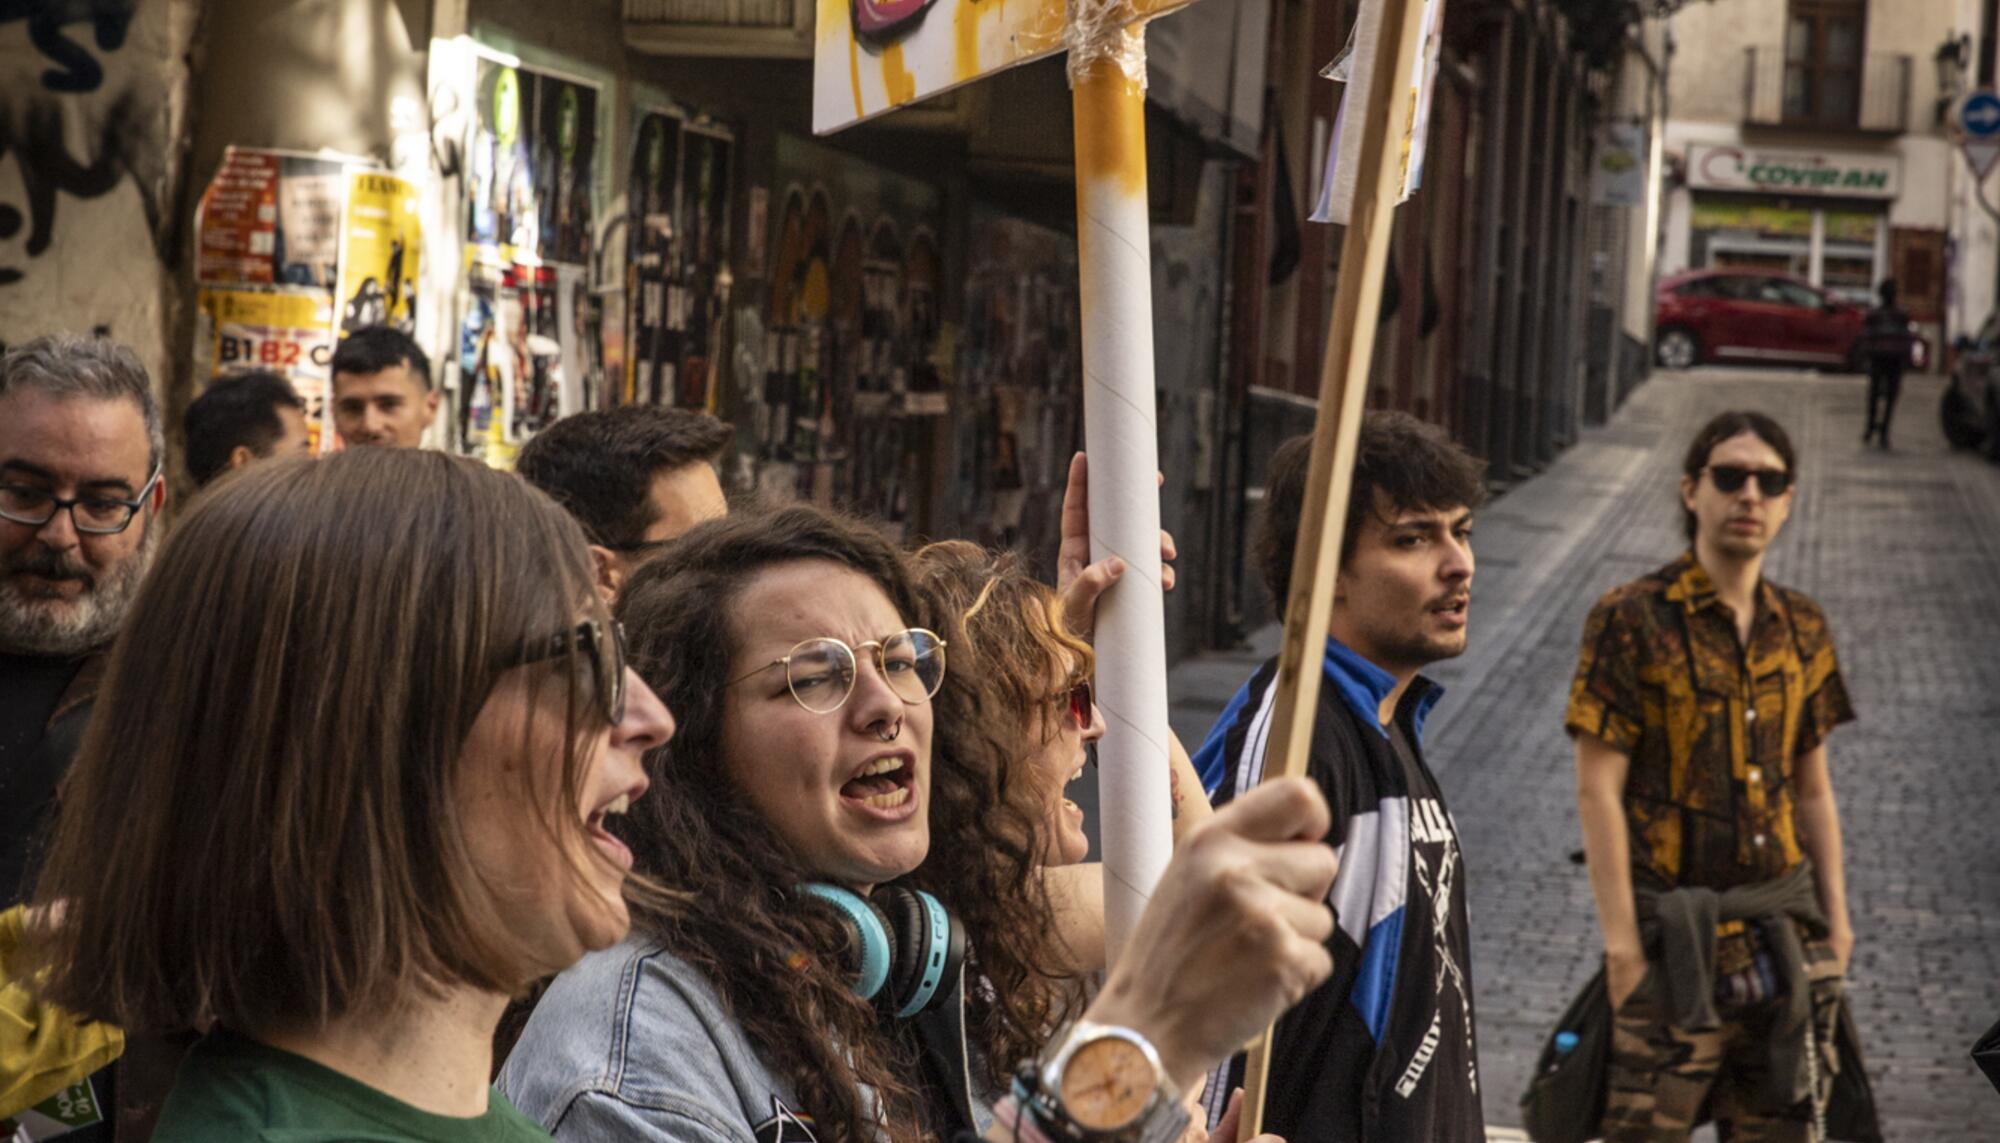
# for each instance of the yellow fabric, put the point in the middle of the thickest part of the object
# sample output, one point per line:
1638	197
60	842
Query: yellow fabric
43	1049
1712	724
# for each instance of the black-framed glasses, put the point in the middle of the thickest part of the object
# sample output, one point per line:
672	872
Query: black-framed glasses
92	515
603	644
1731	478
820	672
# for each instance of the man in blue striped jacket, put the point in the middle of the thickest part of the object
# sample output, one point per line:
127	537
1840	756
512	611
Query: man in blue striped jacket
1384	1050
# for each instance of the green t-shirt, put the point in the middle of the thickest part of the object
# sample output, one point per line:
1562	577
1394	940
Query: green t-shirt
234	1090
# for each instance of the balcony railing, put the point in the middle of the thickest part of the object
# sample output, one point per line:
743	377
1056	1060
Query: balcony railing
780	28
1873	98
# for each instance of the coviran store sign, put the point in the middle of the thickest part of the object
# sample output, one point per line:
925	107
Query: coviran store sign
1712	167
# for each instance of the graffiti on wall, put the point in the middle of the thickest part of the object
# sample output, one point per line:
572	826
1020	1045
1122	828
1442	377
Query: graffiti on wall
32	135
92	100
76	69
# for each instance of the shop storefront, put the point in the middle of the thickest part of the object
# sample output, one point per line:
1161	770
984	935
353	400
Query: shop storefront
1819	216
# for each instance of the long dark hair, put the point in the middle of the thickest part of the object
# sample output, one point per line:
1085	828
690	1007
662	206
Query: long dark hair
260	828
776	956
1725	426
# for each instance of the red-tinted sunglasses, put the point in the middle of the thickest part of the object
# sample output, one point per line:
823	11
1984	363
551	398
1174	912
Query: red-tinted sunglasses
1082	705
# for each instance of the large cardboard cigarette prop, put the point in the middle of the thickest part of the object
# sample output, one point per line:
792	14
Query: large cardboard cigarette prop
1387	38
1114	249
872	56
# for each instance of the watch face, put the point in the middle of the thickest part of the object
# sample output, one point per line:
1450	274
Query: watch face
1107	1084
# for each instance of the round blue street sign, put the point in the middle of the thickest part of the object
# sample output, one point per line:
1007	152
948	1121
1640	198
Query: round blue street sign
1979	115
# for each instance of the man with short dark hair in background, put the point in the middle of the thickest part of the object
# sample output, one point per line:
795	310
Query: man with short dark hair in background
1384	1051
635	476
240	419
382	391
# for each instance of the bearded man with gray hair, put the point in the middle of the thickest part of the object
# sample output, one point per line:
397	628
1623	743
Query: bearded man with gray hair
81	453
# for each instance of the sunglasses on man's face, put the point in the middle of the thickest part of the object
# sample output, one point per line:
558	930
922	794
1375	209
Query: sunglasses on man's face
1731	478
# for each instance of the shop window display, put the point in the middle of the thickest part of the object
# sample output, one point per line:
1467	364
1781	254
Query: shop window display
677	276
1848	268
853	386
527	346
1019	368
1777	239
1771	239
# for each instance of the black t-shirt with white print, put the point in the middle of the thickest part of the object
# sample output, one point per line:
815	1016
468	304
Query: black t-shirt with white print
1436	938
1384	1051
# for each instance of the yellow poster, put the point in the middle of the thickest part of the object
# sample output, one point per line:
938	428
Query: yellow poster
380	239
286	332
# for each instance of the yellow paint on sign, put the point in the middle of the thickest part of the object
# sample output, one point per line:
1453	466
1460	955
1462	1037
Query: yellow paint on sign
965	40
833	19
1043	30
976	38
854	73
1111	125
901	85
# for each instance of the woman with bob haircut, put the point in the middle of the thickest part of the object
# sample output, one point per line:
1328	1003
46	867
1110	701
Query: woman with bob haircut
345	793
805	760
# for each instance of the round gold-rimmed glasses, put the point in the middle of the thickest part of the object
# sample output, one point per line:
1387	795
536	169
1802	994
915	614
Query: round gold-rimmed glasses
820	672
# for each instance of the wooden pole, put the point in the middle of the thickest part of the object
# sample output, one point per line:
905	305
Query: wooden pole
1382	117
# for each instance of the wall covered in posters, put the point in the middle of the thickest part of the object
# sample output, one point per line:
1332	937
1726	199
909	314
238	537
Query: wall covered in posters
677	272
273	292
381	242
853	378
93	122
1019	375
525	326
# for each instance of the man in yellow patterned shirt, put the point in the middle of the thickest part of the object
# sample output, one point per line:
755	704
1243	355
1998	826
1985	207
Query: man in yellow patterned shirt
1700	710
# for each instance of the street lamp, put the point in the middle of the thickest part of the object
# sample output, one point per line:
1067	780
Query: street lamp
1951	58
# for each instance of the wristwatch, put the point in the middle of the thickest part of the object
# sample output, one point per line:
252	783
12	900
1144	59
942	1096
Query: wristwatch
1104	1084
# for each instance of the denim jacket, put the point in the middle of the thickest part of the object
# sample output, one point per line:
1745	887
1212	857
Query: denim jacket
632	1044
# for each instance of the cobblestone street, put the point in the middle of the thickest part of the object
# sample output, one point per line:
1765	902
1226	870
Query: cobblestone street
1903	551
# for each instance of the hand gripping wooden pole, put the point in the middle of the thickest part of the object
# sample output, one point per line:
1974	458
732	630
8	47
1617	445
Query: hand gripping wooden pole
1382	115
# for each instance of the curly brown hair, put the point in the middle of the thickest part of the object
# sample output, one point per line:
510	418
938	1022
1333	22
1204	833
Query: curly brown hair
1007	640
699	832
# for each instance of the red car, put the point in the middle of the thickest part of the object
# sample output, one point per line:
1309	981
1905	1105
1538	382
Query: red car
1745	316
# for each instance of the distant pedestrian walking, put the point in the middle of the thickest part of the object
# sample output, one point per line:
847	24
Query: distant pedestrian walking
1885	341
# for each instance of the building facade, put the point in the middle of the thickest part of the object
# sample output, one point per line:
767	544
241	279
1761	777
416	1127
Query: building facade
1814	138
1517	303
611	201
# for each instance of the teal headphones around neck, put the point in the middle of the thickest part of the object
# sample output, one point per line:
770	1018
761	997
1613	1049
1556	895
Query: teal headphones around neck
908	943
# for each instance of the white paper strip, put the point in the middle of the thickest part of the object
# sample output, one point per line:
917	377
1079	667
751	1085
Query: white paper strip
1337	182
